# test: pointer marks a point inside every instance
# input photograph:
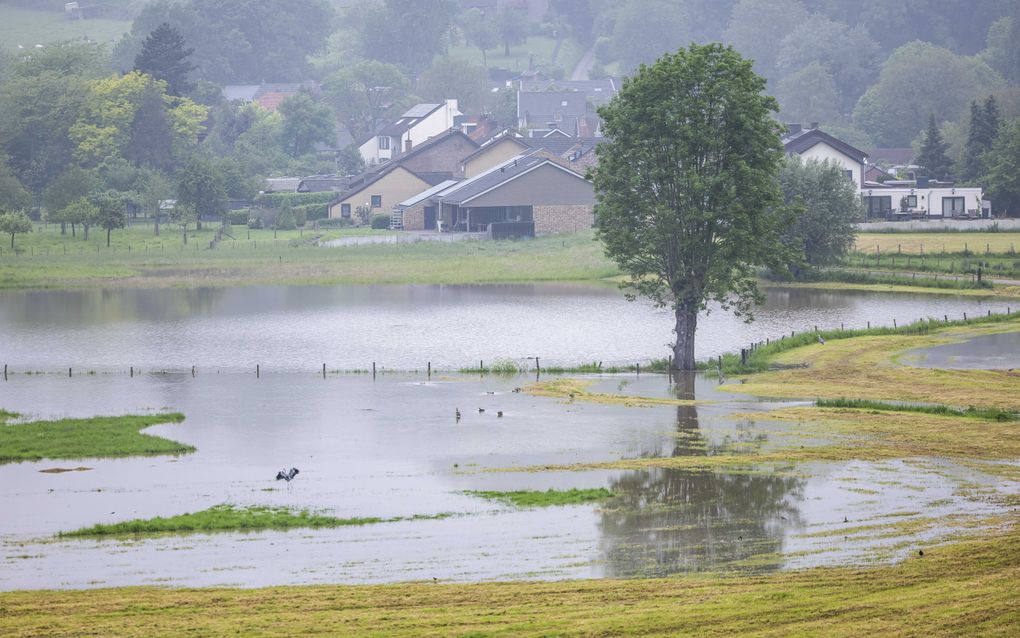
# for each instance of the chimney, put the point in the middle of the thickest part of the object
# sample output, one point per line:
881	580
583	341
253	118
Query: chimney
814	125
794	128
407	145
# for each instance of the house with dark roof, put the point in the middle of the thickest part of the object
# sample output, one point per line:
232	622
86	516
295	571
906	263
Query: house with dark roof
414	127
597	92
531	189
812	143
544	111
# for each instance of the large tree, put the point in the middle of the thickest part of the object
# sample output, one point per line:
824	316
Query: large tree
200	189
455	78
362	94
933	158
829	205
688	201
745	30
407	33
305	122
13	195
984	127
109	211
1004	169
164	56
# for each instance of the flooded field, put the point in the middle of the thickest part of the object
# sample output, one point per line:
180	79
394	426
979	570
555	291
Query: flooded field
403	327
393	448
987	352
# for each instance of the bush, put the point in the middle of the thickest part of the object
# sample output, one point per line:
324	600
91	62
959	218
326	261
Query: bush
238	217
380	222
338	222
277	200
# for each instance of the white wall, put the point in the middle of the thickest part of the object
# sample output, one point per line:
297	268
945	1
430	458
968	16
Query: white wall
930	199
823	151
435	124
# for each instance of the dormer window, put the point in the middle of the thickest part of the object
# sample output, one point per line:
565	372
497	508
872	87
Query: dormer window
384	143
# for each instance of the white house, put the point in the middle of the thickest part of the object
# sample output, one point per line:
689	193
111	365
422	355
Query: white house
920	198
814	144
411	129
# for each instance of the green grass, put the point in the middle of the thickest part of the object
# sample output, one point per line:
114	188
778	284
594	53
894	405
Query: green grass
29	27
221	518
861	277
987	414
165	262
536	48
548	498
102	436
761	357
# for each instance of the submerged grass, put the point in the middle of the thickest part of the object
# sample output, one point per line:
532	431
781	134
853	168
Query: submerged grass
577	390
988	414
968	588
525	498
220	518
102	436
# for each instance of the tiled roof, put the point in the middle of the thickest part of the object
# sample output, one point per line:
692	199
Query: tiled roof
498	175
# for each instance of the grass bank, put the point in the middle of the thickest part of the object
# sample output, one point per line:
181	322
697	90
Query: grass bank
526	498
938	242
29	27
220	518
102	436
964	589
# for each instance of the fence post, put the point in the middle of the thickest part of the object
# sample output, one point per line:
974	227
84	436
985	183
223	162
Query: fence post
324	371
257	371
373	370
430	369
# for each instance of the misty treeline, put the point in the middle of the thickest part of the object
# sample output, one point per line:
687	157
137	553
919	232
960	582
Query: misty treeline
144	115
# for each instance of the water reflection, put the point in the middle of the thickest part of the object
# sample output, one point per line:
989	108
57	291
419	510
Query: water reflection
665	521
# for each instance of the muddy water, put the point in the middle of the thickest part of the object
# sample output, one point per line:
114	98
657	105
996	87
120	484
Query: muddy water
987	352
402	327
392	447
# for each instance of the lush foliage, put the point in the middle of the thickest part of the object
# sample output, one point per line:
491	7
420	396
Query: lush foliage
688	204
933	158
13	223
828	206
164	57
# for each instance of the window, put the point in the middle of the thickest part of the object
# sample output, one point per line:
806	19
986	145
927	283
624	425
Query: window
953	206
878	205
384	143
376	201
849	174
345	211
911	201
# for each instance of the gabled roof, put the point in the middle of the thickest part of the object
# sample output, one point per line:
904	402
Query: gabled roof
283	184
498	175
806	139
564	147
365	180
422	196
539	109
432	142
493	141
323	183
598	91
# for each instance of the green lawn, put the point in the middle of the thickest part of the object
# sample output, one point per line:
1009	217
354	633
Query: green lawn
50	260
29	27
541	47
101	436
526	498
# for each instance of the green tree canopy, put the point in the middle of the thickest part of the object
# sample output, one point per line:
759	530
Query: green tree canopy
200	188
829	204
406	33
688	201
809	95
305	122
745	30
933	158
1004	169
164	56
455	78
984	127
13	223
109	213
896	109
642	30
362	94
512	26
13	195
480	32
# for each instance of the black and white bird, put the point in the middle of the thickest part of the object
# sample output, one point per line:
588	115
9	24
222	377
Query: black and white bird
821	340
287	475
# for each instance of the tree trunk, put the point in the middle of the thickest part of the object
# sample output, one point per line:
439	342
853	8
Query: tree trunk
85	227
12	241
107	237
72	230
157	223
683	349
185	235
63	228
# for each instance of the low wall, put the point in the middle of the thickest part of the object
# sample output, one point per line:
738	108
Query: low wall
942	224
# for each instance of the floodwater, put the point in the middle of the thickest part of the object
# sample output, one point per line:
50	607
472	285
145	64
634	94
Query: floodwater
392	448
987	352
298	328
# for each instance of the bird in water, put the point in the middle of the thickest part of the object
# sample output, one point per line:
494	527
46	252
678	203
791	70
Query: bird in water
456	413
481	410
499	414
287	475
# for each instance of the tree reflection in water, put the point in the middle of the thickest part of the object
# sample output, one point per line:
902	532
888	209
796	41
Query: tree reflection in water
666	521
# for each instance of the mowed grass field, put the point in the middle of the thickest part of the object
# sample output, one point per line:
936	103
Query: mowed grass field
289	259
537	49
28	27
932	243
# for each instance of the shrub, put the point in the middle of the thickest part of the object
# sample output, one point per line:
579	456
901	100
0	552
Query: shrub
380	222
